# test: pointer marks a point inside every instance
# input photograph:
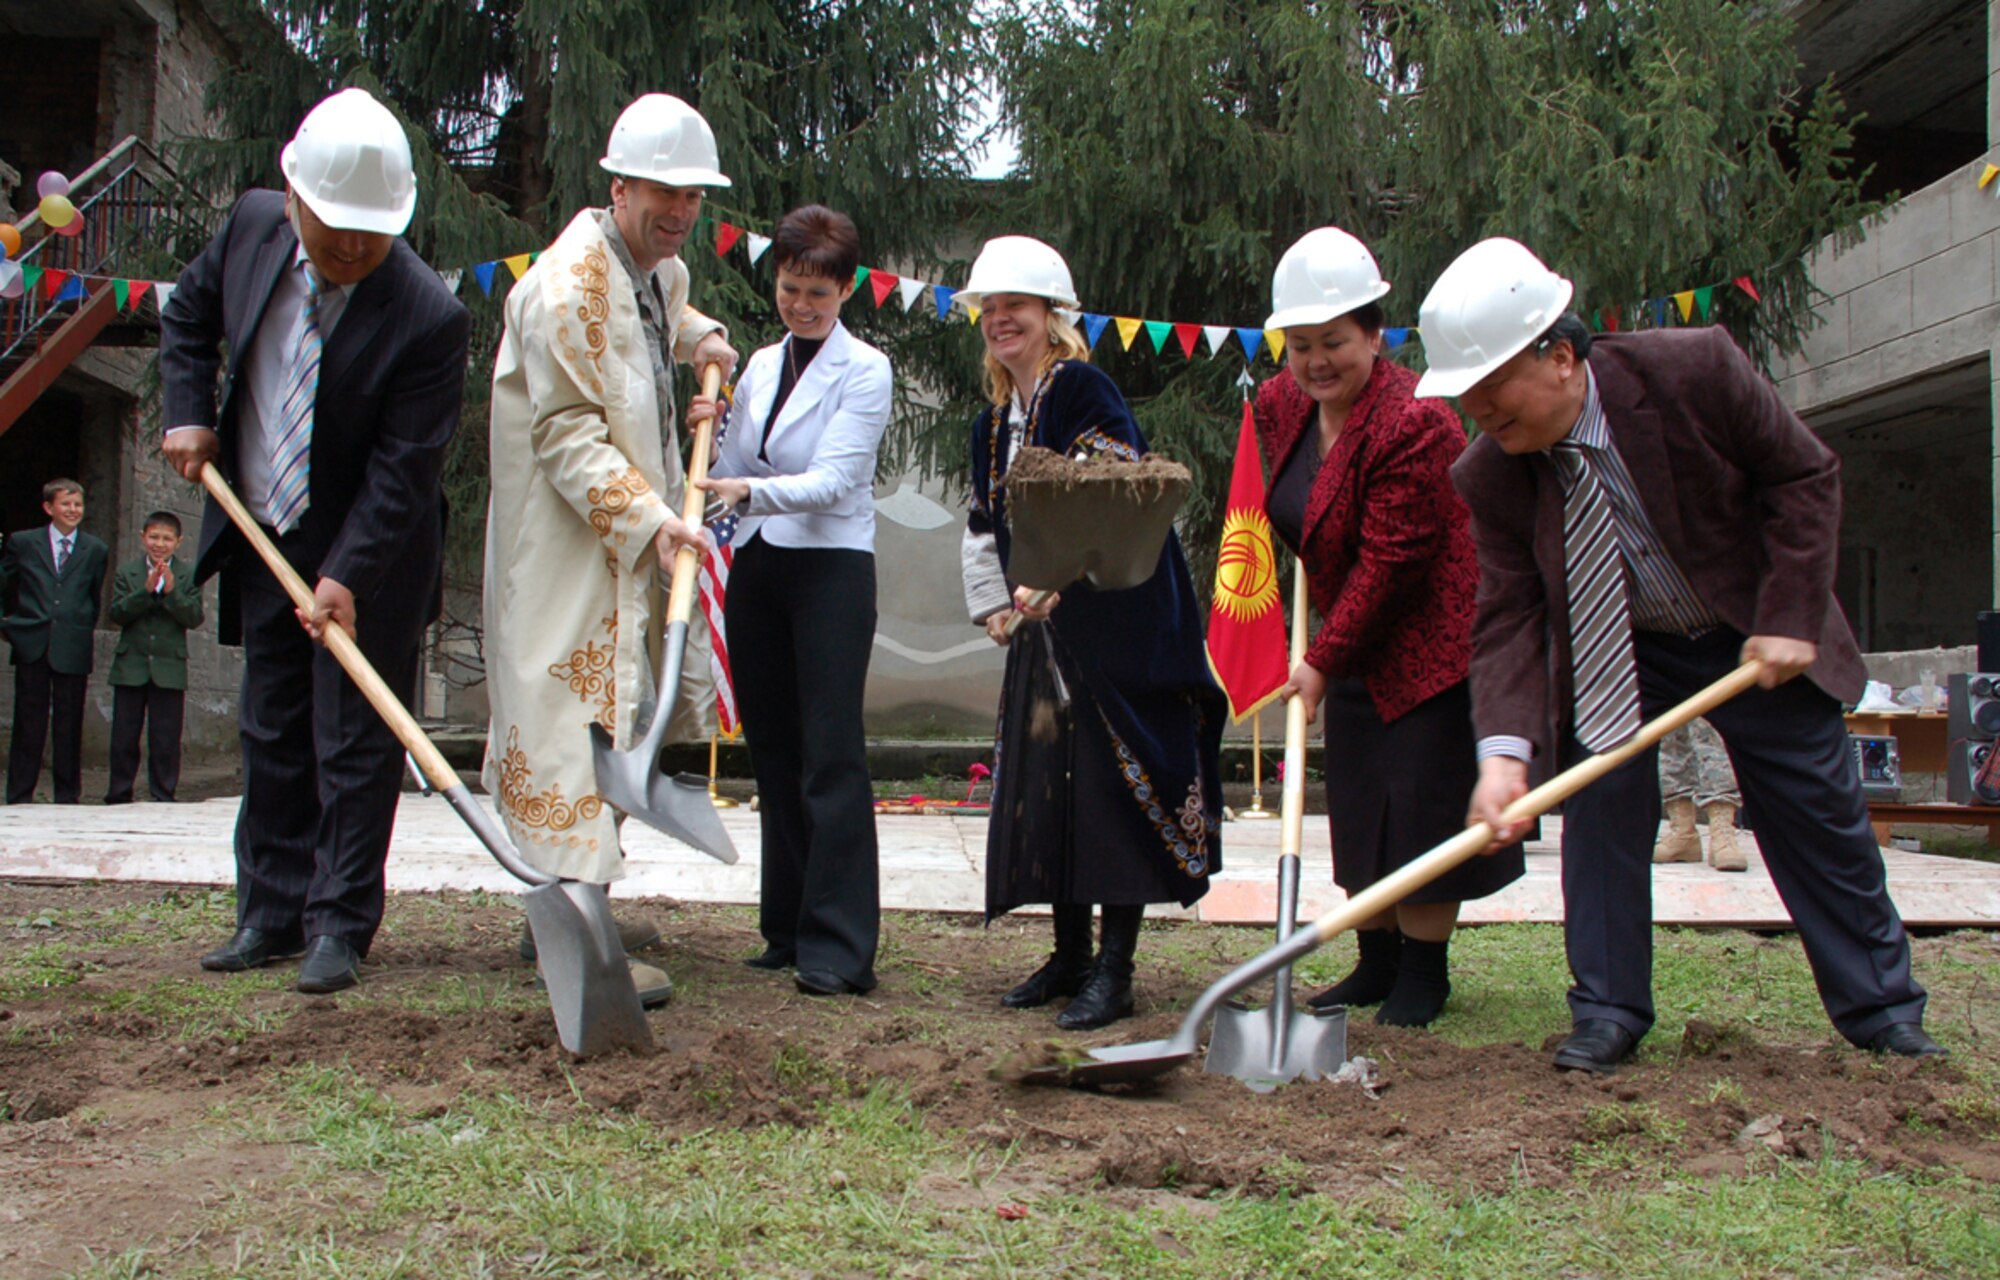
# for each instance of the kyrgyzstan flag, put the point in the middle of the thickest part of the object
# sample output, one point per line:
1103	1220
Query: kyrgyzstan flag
1246	623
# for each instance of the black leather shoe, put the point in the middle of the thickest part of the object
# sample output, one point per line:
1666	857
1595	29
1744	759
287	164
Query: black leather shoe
330	965
1061	976
1595	1044
250	949
772	959
1907	1040
824	982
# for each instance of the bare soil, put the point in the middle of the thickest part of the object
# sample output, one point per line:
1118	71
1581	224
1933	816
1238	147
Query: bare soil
96	1101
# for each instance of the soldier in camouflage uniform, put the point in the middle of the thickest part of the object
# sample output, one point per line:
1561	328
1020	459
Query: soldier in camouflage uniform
1695	775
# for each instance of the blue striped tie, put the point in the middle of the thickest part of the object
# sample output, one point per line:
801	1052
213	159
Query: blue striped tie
1600	615
291	455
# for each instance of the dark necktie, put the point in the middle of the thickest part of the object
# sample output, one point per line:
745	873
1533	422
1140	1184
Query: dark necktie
1600	615
62	551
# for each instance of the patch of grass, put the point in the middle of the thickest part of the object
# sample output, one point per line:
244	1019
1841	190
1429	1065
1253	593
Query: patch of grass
43	967
189	1008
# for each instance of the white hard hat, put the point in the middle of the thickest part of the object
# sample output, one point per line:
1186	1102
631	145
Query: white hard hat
664	140
1019	264
1325	275
350	163
1490	303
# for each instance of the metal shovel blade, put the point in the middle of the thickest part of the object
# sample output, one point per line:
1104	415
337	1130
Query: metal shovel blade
1101	519
1263	1052
677	803
583	965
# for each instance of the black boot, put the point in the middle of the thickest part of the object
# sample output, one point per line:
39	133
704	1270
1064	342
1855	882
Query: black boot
1068	968
1374	975
1107	997
1422	983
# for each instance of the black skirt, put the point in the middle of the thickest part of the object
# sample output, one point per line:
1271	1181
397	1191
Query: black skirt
1394	791
1065	827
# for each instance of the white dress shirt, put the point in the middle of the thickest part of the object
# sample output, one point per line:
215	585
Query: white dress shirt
818	487
262	375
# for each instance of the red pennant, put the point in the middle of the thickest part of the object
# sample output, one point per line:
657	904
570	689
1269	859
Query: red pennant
1187	335
883	283
53	281
1743	283
726	236
1611	320
139	288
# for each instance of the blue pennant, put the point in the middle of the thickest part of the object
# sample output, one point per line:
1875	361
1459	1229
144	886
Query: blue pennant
484	273
943	296
1252	340
1393	338
1093	327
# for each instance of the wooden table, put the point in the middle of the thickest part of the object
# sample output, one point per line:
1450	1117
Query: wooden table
1924	745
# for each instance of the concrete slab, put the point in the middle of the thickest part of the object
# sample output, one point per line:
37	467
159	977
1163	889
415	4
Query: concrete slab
928	864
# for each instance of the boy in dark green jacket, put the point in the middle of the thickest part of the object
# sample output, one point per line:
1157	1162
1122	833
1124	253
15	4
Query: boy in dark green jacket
155	600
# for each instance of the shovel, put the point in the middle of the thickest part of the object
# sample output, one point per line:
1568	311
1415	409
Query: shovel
631	780
596	1007
1101	519
1278	1043
1132	1063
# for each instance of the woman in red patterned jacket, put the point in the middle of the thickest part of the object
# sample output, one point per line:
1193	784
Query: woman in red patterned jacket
1361	490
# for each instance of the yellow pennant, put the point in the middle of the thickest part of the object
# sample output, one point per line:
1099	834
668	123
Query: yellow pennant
1685	301
1276	337
971	314
1128	329
1987	175
518	264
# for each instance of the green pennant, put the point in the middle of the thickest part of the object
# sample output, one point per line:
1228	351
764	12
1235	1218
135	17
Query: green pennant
1597	322
860	276
31	275
1704	298
1159	331
122	291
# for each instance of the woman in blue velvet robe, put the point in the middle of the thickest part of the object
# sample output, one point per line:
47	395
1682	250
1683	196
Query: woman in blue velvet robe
1107	788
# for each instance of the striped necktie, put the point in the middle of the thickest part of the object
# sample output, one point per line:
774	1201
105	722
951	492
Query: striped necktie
1600	616
290	455
62	551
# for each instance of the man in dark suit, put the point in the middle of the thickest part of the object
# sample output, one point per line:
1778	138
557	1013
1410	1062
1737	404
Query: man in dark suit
341	392
51	581
1649	514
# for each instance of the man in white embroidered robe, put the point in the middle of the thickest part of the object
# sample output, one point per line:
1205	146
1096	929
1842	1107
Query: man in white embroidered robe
587	482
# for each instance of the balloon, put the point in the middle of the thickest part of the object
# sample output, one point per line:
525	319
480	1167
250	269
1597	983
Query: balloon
52	184
10	239
56	211
10	280
74	227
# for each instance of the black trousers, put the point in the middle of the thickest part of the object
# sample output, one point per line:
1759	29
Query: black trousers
321	770
43	695
159	713
1789	748
800	624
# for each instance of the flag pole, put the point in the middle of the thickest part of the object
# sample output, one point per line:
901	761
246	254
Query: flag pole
1256	811
717	798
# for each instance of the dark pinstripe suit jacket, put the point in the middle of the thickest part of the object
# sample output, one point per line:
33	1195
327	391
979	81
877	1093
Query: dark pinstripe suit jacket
391	380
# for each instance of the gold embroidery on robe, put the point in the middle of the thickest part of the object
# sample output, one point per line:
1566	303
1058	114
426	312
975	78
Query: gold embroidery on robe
545	810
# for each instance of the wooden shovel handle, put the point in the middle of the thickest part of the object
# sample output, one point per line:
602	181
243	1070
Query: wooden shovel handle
1292	796
1393	888
680	602
345	651
1035	600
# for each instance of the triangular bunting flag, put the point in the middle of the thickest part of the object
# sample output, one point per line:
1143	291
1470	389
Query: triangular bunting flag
533	257
1187	335
1987	174
726	236
1685	301
758	244
121	292
484	274
1093	328
1218	337
942	295
53	281
909	289
518	265
1704	299
1393	338
1743	283
1658	306
451	278
971	314
1128	329
1158	330
1275	339
1251	339
138	289
884	284
161	292
31	275
1611	320
860	276
1597	322
72	290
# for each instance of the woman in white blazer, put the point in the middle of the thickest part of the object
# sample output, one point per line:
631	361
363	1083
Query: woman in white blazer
797	460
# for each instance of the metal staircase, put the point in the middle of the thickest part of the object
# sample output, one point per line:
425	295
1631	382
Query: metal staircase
129	203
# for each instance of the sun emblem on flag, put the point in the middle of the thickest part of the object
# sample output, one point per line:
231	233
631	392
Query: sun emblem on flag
1246	574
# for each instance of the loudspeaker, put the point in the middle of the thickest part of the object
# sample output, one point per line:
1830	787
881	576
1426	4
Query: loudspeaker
1879	761
1972	725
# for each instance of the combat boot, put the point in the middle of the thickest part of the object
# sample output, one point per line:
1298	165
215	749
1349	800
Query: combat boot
1682	843
1724	854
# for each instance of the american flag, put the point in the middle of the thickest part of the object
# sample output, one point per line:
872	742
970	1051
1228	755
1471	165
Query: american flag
712	586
